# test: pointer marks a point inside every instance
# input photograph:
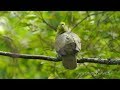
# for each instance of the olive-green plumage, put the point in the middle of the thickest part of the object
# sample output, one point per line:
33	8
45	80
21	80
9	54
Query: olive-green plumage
67	45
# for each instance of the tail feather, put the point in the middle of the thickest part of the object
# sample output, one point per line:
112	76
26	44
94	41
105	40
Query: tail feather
69	62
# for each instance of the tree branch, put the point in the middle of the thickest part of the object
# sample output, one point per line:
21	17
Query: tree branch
100	61
28	56
48	58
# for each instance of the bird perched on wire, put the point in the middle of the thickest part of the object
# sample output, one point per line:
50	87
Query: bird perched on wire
67	45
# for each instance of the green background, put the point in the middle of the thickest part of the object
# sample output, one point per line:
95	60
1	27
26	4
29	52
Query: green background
26	32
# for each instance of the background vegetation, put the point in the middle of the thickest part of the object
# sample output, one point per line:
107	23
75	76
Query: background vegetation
33	32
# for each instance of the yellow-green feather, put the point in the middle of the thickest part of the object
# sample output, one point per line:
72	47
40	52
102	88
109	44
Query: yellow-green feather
62	28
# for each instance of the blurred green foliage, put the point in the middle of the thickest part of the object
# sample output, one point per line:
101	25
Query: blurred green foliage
33	32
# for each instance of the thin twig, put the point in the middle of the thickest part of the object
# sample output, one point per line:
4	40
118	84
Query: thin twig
85	19
41	17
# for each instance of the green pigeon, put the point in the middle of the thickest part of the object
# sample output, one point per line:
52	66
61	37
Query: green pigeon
67	45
